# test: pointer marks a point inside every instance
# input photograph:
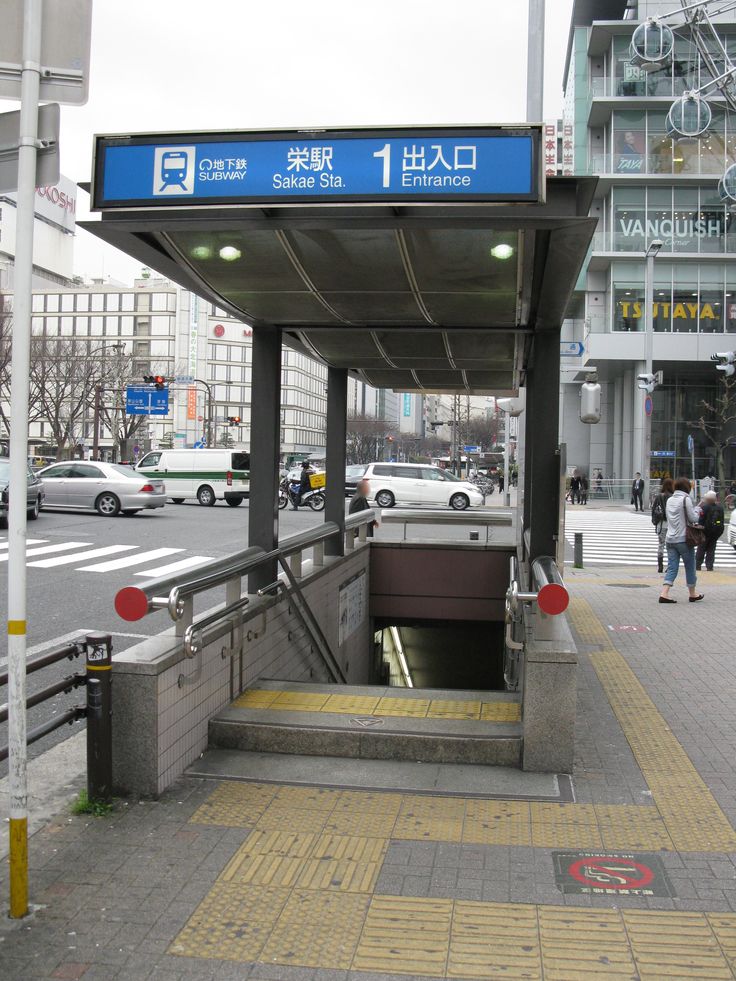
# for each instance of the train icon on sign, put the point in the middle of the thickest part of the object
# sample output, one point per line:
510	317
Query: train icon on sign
173	170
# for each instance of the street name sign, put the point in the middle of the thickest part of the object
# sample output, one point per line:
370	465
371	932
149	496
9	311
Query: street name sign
318	166
145	401
471	449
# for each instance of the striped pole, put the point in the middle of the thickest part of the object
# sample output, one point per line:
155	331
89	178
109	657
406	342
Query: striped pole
17	750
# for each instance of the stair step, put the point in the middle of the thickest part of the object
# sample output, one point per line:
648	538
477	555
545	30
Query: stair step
378	723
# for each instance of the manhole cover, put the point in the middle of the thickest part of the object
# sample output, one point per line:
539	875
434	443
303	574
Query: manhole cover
628	585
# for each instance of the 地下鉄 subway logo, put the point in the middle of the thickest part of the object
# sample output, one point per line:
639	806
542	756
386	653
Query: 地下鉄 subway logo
173	170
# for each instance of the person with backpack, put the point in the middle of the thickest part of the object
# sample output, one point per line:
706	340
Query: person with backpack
659	517
713	522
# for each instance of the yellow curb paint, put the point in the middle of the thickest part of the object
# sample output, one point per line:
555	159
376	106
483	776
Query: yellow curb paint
18	840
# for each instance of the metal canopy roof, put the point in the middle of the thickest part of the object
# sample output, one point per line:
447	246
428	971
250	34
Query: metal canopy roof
407	297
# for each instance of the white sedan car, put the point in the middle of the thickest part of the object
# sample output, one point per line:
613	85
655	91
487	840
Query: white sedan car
410	483
108	488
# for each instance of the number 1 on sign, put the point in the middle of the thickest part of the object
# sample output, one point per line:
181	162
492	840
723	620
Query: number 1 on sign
385	154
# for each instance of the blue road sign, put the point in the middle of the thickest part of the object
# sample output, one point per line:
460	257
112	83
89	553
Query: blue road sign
663	452
146	401
571	349
690	444
469	164
648	405
471	449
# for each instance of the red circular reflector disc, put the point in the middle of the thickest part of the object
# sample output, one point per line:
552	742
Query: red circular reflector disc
553	599
131	603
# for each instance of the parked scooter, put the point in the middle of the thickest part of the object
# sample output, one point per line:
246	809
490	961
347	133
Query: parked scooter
283	493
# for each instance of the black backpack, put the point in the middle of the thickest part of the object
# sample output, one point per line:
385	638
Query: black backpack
658	512
714	521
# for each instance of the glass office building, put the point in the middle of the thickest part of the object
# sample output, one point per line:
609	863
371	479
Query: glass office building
651	186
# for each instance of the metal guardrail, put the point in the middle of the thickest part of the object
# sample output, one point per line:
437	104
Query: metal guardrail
97	711
485	518
176	593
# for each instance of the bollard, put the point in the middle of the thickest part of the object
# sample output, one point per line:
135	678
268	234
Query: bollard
578	550
99	716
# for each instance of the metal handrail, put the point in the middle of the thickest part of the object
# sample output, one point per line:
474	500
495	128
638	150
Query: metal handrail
296	543
550	595
435	516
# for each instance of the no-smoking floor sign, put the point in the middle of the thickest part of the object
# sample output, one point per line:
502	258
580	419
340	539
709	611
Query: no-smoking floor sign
610	874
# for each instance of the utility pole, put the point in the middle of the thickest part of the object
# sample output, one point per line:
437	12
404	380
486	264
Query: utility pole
535	63
17	640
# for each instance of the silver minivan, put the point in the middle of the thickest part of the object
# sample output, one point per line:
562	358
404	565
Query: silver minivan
418	483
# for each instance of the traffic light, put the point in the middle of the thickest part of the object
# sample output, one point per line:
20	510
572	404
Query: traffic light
233	420
158	380
647	383
725	361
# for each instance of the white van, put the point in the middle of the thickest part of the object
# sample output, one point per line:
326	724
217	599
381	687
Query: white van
207	475
413	483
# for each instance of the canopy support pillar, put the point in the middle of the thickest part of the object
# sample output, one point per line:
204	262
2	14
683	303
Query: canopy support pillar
265	450
337	410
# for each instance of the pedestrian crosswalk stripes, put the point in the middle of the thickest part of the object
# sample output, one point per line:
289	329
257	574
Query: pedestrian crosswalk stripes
172	567
46	549
616	538
79	557
138	559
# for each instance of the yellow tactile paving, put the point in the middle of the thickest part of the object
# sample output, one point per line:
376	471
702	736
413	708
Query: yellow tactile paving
297	701
430	818
493	940
350	704
317	928
584	944
497	822
279	817
500	712
691	815
235	805
410	708
256	698
405	935
451	708
233	922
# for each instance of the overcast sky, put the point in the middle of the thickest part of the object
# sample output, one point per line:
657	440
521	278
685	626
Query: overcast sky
161	65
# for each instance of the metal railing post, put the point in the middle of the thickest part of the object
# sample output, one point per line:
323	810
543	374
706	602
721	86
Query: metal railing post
295	562
99	716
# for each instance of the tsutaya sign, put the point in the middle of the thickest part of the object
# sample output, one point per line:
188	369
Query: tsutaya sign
318	166
682	311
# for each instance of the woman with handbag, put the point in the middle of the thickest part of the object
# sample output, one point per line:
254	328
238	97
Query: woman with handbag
683	535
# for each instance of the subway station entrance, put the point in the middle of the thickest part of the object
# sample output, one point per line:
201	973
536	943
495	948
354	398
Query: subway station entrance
419	260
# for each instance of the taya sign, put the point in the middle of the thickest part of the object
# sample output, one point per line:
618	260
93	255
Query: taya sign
458	164
680	311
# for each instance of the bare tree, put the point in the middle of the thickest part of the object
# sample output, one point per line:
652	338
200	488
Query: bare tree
717	420
64	372
365	438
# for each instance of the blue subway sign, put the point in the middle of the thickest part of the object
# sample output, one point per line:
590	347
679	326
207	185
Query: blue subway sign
381	166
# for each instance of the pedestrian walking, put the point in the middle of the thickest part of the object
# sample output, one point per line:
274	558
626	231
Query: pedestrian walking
682	519
712	519
359	502
637	491
659	517
598	481
575	487
583	489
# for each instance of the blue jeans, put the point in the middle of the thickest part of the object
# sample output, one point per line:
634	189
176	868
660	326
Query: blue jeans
675	551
